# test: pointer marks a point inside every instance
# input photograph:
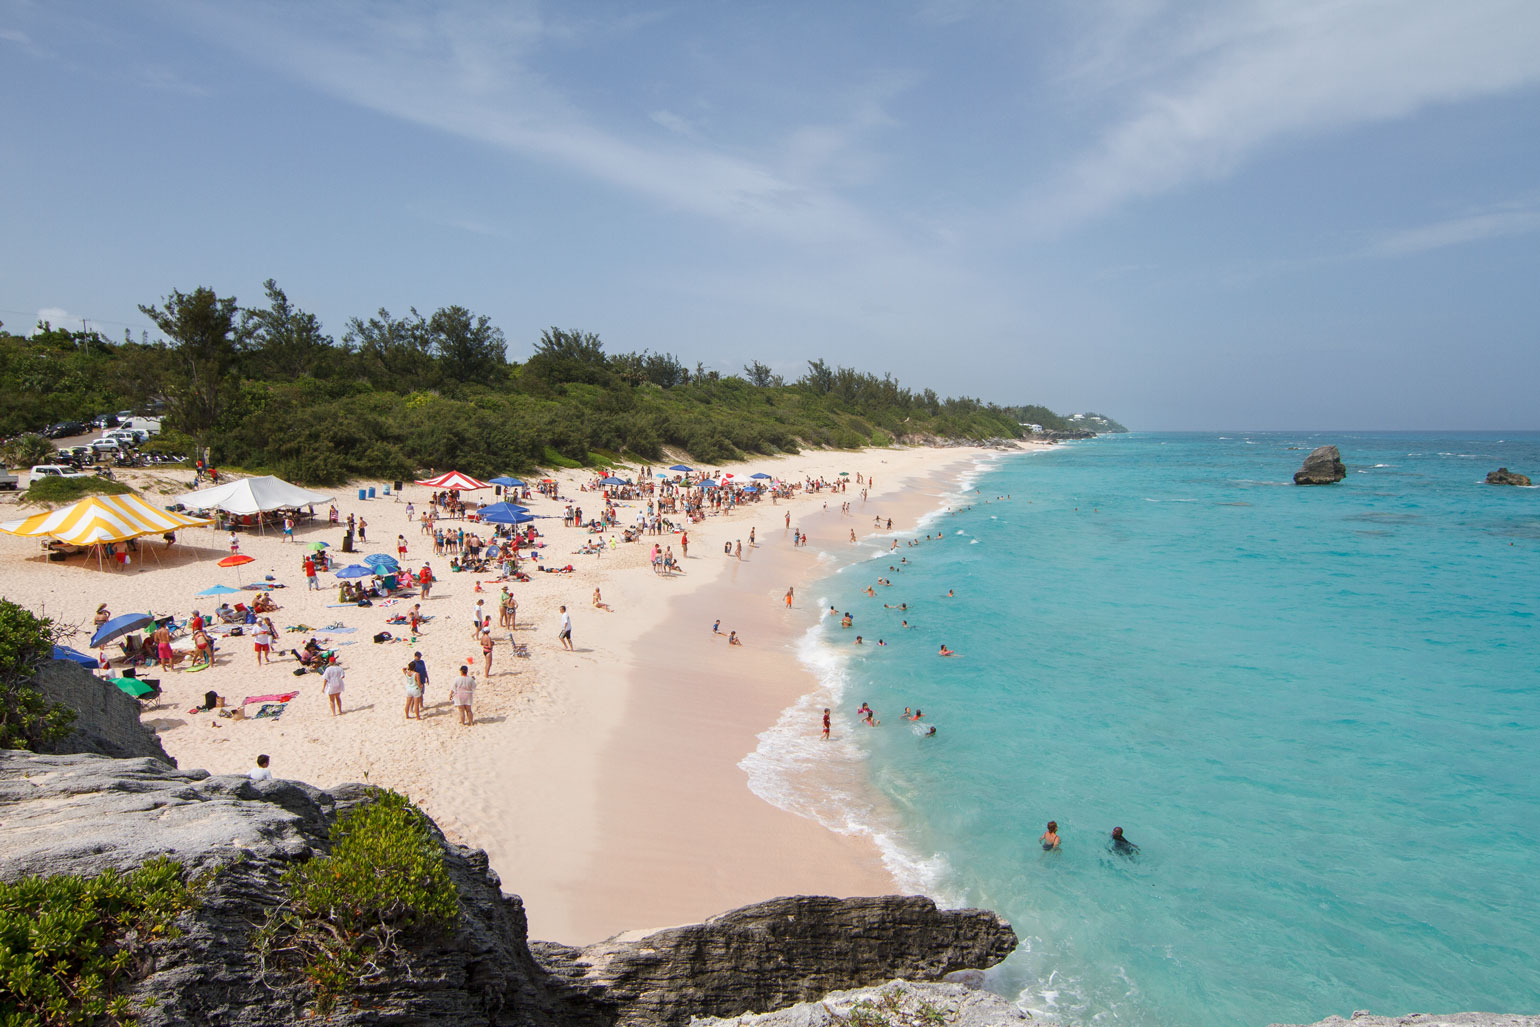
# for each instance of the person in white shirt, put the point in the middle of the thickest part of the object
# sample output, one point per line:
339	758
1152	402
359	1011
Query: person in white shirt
260	771
479	618
333	677
566	630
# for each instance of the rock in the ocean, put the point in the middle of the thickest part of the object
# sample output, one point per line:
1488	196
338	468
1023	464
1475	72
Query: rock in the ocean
1503	476
1322	467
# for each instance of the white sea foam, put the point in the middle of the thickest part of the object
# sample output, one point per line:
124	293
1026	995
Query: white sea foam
794	769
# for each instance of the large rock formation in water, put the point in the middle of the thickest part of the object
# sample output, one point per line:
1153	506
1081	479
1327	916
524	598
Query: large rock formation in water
1322	467
81	814
1503	476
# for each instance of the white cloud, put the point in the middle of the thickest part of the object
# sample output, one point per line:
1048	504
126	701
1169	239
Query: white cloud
58	317
1498	223
1199	92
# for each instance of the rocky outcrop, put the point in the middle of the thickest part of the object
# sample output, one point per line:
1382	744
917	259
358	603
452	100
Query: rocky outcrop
81	814
1503	476
777	953
1322	467
903	1002
106	721
1362	1018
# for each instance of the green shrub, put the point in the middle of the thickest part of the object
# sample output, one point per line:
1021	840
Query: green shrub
69	944
54	489
27	718
26	450
349	914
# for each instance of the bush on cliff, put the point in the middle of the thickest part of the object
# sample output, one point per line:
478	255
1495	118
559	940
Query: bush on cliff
27	718
350	914
54	489
69	944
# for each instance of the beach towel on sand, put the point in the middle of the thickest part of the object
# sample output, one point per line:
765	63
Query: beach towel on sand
281	697
272	709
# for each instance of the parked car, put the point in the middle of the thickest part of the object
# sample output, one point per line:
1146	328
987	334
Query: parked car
8	482
63	428
148	425
124	436
104	421
109	447
53	471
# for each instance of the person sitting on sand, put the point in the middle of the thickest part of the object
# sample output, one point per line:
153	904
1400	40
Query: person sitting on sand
103	615
732	638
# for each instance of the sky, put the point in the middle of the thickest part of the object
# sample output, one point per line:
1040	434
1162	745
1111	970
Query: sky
1186	215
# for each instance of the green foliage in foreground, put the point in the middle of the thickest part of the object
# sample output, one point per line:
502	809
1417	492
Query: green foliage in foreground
68	945
27	718
54	489
892	1008
351	914
27	450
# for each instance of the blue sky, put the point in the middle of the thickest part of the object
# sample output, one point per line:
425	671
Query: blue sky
1240	214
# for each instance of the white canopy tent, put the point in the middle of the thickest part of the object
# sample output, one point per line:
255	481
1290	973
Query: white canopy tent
252	496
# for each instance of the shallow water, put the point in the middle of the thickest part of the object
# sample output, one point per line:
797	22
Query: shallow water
1314	709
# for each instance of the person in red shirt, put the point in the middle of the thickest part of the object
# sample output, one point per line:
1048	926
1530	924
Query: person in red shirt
310	578
426	578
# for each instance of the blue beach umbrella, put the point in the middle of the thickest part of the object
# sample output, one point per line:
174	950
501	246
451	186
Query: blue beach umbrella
508	483
378	560
501	513
118	627
682	467
612	480
64	652
217	590
752	488
355	570
761	475
707	484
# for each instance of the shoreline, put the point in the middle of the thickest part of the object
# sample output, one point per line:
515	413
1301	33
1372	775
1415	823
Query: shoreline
604	784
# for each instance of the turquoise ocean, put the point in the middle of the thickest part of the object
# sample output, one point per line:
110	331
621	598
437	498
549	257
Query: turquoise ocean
1315	710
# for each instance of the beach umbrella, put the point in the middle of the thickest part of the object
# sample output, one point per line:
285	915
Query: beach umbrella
355	570
64	652
752	488
501	513
707	483
217	590
508	483
761	475
237	560
378	560
133	686
612	480
316	547
661	474
844	474
682	467
118	627
455	480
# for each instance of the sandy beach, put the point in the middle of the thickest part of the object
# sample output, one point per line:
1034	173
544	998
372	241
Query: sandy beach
604	782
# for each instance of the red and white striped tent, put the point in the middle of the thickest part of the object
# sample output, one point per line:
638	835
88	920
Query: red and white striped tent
456	480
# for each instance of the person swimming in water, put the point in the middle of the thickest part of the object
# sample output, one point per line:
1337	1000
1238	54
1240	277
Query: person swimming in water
1050	838
945	651
1121	845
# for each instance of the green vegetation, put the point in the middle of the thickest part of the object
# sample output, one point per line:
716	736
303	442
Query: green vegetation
68	945
382	888
264	388
27	450
27	718
892	1008
54	489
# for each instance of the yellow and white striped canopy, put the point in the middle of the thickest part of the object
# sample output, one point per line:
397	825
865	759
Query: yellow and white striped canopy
102	519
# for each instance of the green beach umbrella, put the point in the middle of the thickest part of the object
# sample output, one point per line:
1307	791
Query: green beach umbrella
133	686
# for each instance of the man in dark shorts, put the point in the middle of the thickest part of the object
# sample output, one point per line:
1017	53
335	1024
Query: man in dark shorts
565	635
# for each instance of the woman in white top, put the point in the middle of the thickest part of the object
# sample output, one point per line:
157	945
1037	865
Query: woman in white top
412	683
465	689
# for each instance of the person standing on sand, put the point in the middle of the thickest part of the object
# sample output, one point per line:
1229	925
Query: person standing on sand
162	638
262	642
789	592
826	724
363	530
486	653
235	543
425	579
413	686
418	667
479	618
465	691
333	678
565	633
288	529
401	548
310	578
684	544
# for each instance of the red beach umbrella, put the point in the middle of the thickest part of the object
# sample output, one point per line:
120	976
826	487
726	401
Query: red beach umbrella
236	560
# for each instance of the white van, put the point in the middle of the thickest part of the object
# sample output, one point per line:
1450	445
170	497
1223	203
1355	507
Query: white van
148	425
52	471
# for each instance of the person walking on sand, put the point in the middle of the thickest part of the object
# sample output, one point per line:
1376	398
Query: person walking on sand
826	724
235	544
565	634
262	642
789	592
401	548
413	687
288	529
486	653
332	681
465	691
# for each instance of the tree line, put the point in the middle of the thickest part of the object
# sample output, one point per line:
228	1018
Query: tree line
266	387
